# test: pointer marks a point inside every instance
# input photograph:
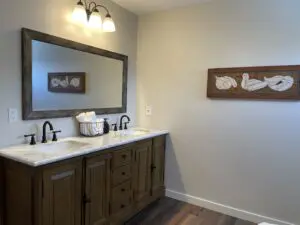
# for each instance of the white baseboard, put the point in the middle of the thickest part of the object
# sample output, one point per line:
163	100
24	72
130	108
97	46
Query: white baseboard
227	210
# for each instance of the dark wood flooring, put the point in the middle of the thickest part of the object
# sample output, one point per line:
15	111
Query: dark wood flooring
169	211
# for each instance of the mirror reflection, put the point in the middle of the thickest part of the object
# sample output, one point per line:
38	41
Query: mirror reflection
68	79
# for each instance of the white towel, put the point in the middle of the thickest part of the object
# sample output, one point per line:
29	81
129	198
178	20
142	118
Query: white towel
86	117
91	117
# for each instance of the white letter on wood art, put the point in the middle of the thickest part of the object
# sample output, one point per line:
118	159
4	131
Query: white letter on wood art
280	83
252	84
225	83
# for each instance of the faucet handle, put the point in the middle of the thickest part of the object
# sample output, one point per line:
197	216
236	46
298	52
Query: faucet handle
54	134
125	127
32	140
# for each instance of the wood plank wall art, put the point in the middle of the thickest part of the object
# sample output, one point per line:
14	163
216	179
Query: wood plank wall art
269	82
66	82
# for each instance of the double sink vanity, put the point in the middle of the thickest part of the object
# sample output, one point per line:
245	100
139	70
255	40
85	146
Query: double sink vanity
83	181
101	180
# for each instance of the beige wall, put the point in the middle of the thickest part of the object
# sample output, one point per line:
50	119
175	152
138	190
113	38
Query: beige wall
243	154
51	16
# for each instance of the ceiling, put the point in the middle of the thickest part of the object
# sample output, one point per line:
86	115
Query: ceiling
147	6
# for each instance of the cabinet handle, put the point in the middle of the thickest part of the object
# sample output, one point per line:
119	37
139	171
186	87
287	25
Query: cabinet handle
153	167
87	200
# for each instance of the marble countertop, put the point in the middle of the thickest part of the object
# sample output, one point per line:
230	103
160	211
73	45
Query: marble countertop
42	154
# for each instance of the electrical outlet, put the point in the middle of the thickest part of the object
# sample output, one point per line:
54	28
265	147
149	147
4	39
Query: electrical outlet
12	115
148	110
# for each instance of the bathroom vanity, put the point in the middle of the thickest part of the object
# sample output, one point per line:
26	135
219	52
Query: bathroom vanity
77	181
98	181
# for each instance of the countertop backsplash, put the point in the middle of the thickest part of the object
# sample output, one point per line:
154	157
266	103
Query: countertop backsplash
68	126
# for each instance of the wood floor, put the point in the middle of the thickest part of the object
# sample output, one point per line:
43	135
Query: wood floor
169	211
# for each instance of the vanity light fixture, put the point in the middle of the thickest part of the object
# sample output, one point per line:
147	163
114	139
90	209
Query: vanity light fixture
88	14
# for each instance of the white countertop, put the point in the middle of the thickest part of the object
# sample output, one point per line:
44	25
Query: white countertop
42	154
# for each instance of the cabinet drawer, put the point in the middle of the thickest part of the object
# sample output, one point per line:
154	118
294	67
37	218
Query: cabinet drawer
121	197
122	157
121	174
122	204
121	191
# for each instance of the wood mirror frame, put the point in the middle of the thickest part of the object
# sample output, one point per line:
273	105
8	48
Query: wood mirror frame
27	107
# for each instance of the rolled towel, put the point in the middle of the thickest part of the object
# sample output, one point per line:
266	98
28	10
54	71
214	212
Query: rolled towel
81	117
86	117
93	130
90	117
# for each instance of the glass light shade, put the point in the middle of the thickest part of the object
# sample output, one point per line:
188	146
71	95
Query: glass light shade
95	20
79	14
108	24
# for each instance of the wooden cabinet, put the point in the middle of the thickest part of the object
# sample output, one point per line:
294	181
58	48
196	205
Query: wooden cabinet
158	167
102	188
97	188
142	177
62	194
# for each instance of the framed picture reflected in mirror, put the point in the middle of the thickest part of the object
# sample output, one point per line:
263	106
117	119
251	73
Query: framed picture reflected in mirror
67	82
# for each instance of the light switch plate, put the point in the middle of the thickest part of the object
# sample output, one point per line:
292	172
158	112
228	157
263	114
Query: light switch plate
148	110
12	115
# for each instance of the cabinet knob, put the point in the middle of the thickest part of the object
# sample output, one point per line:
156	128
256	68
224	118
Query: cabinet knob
87	200
124	156
123	173
123	190
122	206
153	167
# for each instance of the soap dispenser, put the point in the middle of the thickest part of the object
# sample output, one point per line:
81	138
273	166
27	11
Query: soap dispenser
106	126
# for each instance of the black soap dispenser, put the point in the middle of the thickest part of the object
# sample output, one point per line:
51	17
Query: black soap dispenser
106	126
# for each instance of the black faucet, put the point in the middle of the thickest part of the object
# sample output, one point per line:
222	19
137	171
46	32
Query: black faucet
121	122
44	138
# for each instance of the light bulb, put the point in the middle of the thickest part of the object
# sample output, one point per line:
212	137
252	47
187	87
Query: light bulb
79	14
108	24
95	20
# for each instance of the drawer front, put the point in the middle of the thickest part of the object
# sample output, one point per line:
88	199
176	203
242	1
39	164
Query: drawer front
121	197
121	191
121	174
120	205
122	157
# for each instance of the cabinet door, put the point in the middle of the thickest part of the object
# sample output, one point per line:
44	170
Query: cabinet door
142	172
62	193
158	165
97	190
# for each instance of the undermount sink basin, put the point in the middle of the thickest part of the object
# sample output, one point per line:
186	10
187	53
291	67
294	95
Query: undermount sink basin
51	149
131	133
69	146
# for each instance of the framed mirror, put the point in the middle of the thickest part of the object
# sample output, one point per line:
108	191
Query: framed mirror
62	78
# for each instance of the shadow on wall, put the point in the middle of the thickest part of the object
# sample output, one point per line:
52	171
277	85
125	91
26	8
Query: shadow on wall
173	177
